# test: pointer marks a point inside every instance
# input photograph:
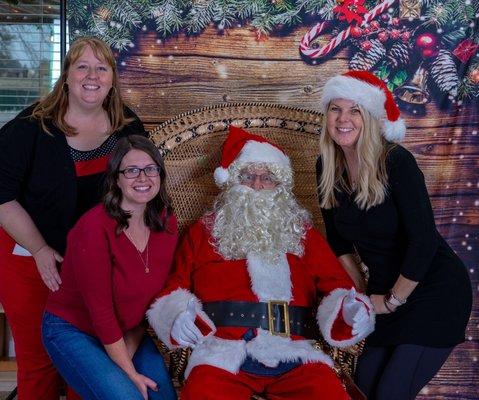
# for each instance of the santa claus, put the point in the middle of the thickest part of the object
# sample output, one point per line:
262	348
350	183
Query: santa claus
245	289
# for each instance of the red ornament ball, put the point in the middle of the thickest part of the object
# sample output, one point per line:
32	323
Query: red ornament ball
474	76
383	36
356	32
426	41
385	17
366	45
366	31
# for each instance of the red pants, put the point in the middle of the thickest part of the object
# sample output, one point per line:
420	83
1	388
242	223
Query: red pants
23	296
309	381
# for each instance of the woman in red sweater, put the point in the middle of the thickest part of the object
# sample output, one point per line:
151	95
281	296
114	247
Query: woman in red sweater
117	259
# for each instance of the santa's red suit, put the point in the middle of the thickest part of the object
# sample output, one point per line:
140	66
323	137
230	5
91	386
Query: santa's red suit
203	275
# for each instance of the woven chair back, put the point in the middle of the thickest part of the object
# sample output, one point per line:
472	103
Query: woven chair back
191	146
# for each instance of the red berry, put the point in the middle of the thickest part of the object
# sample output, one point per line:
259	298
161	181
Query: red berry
366	31
366	45
395	34
405	36
385	17
431	52
383	36
374	25
356	32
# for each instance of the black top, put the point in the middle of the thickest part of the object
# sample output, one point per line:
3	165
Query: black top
90	168
396	237
37	170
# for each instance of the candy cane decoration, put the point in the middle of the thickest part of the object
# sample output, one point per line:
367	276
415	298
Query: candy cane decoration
340	37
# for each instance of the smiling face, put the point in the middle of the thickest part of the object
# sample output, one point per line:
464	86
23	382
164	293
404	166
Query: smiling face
344	123
137	192
89	80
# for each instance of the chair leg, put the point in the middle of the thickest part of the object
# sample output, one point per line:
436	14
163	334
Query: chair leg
12	395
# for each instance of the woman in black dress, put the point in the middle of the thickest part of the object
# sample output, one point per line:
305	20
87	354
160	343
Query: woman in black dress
374	202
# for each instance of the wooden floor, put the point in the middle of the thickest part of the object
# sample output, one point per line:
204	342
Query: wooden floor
8	378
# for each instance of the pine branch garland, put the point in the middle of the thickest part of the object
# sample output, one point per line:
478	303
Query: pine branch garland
168	17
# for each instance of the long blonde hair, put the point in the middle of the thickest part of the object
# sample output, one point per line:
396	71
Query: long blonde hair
372	149
54	105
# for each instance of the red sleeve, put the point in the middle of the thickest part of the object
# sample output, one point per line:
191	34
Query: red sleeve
184	262
327	270
92	268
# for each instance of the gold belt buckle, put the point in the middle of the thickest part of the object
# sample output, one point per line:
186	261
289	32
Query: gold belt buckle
271	319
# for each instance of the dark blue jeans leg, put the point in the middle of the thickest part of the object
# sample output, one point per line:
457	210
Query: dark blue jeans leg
149	362
83	362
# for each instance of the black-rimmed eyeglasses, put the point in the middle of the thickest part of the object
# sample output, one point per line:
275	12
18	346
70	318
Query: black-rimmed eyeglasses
134	172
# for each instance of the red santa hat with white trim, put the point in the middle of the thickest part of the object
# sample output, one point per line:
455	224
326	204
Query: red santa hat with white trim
371	93
242	147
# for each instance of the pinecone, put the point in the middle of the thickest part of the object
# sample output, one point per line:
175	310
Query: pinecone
366	60
398	55
444	72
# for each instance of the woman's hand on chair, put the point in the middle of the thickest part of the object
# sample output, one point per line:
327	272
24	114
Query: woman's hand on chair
46	259
142	382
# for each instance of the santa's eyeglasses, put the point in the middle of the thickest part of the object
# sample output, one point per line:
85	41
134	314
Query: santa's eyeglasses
249	178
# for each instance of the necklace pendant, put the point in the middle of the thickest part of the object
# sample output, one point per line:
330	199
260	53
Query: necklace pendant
147	270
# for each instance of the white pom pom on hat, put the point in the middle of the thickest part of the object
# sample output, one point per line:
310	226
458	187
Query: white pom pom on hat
371	93
244	147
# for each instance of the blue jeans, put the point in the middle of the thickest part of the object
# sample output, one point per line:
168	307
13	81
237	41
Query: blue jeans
83	362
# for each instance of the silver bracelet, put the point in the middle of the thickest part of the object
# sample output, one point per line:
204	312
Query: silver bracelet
395	300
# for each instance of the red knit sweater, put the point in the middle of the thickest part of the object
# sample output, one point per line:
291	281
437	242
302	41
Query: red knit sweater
105	290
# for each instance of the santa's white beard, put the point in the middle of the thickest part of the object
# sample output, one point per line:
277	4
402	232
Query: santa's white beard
266	223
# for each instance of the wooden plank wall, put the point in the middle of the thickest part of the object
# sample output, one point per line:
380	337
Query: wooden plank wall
161	79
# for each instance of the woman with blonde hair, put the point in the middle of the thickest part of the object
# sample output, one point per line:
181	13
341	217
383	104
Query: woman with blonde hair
375	203
53	156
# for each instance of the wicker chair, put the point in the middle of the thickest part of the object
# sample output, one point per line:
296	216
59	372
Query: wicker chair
191	145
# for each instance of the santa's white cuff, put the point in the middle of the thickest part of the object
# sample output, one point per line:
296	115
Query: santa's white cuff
329	311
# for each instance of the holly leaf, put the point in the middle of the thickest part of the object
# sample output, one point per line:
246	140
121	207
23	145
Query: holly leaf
390	86
399	78
382	72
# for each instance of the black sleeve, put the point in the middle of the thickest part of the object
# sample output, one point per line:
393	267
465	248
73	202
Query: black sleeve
135	127
339	245
17	143
408	190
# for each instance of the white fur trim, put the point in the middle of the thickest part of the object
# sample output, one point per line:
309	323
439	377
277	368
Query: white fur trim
329	310
262	152
394	131
268	281
163	312
265	348
269	350
221	176
368	96
222	353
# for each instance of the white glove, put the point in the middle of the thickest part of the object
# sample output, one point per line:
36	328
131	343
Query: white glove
184	330
355	313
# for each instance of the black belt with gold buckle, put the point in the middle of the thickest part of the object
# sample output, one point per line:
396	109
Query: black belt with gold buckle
275	316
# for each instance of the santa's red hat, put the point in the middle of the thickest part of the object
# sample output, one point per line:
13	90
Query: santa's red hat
243	147
371	93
